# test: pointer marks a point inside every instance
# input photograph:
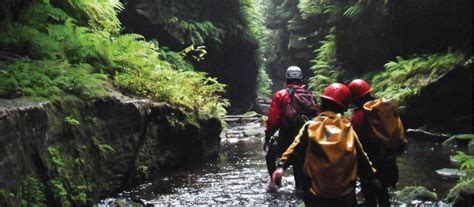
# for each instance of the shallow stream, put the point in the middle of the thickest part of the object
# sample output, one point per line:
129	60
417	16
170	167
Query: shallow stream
239	176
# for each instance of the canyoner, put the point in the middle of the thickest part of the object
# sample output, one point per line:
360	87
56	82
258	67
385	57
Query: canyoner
163	102
382	135
290	109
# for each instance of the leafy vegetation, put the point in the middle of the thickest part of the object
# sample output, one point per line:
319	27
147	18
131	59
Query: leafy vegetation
73	47
326	68
405	77
67	185
464	187
309	8
32	193
193	32
349	9
465	184
466	160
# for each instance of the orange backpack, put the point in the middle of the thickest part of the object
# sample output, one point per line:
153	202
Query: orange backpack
385	123
331	155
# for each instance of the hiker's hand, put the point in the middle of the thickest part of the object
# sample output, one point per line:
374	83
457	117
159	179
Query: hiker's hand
277	175
267	143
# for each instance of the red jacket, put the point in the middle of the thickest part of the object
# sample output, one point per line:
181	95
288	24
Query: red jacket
275	114
358	120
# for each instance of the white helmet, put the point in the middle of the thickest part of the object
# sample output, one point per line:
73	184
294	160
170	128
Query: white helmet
294	72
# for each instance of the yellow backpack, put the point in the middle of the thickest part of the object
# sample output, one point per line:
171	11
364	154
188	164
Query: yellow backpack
331	156
385	123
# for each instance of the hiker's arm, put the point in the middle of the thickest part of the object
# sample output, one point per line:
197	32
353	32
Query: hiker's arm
274	117
297	148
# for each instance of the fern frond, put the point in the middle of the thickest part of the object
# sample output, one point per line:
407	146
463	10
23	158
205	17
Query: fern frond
355	10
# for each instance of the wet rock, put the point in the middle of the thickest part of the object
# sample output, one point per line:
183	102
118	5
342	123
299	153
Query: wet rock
462	194
23	134
415	194
122	202
244	118
253	133
447	173
422	134
445	105
243	126
265	107
97	148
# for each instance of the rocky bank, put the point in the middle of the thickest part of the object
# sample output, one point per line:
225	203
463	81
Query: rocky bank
72	153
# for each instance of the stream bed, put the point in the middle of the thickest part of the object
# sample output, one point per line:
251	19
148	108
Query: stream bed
239	176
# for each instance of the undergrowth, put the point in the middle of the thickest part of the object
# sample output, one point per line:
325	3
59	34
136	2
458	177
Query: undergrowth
403	78
53	48
326	68
466	160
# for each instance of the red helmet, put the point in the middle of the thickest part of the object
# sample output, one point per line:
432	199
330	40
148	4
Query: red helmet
359	88
339	93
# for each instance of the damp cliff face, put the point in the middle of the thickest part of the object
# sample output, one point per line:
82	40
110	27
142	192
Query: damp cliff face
412	51
221	26
72	153
445	105
367	34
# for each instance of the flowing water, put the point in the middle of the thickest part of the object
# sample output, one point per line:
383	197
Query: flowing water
239	176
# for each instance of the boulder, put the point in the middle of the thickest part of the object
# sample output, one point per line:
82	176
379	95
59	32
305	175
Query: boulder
448	173
415	193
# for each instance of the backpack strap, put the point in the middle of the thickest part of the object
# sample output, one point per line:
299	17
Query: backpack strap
292	92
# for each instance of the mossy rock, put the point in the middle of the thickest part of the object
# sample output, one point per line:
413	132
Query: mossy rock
412	193
462	194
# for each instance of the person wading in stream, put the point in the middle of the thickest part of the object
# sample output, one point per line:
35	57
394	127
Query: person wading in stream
381	133
289	110
334	157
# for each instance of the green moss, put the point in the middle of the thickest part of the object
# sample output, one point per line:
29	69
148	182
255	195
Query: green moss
67	181
411	193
